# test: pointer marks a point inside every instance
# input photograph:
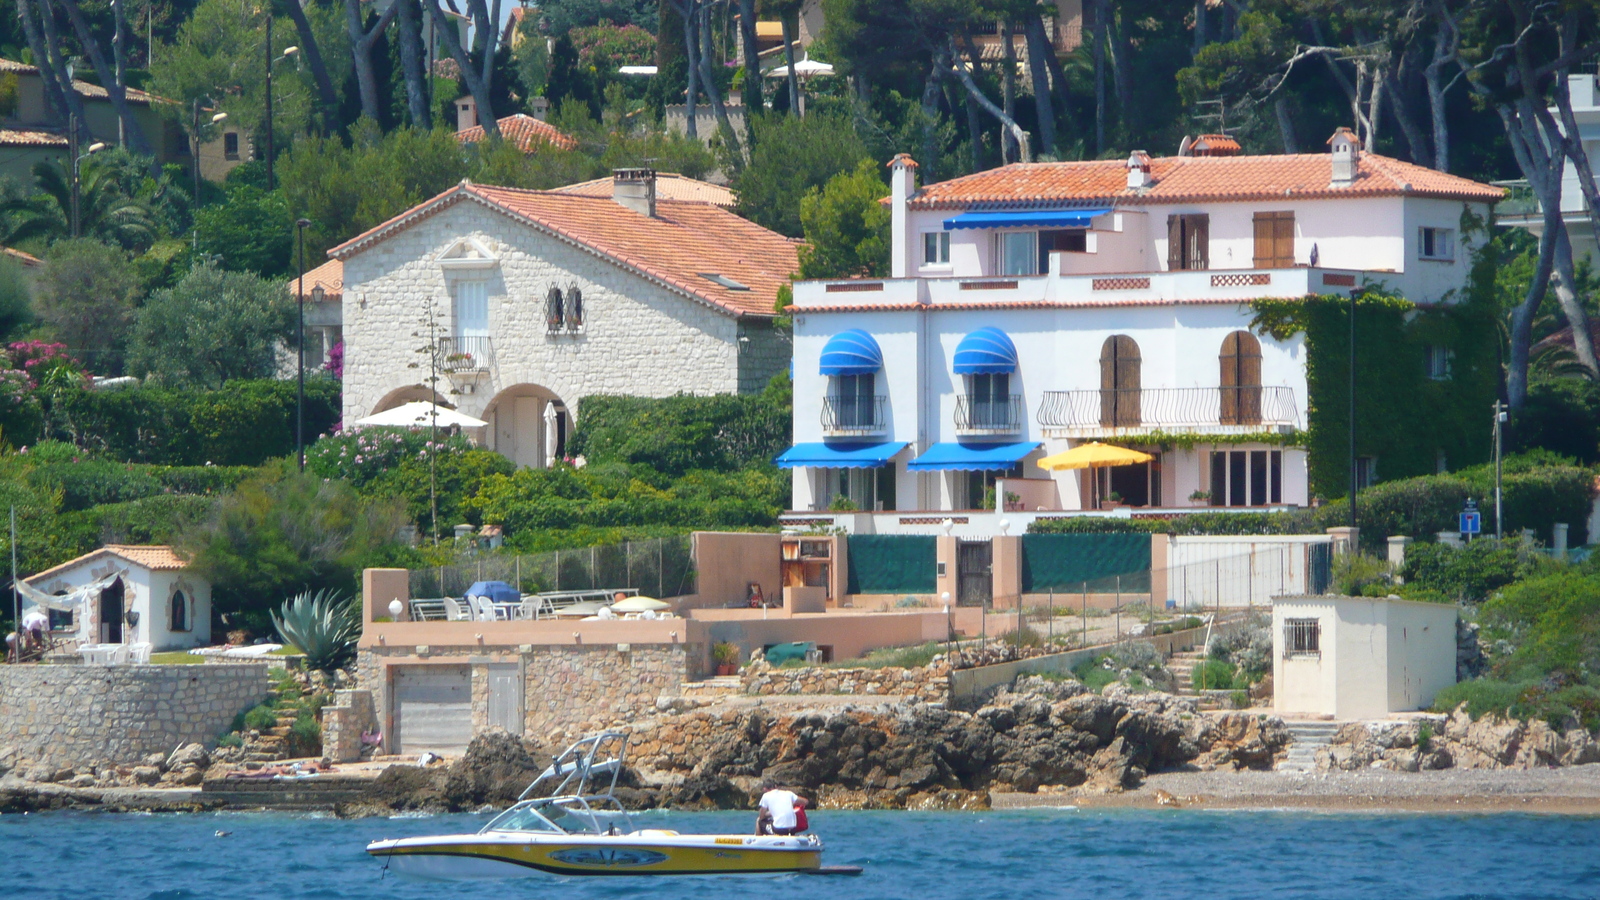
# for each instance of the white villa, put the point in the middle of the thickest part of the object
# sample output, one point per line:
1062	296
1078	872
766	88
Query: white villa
524	302
151	599
1036	307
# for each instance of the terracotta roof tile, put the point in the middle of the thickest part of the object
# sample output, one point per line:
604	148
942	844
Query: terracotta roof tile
26	137
678	247
27	259
526	132
669	186
1187	179
329	275
157	557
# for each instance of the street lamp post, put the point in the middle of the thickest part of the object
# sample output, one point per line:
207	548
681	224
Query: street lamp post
194	136
300	395
77	215
287	52
1352	411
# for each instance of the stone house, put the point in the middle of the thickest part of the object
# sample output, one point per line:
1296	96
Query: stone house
523	302
153	600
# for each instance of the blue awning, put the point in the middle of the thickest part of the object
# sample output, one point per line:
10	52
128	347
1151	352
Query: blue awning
971	457
852	352
987	351
839	456
1026	218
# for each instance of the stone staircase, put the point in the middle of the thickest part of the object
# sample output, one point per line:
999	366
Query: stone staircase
322	792
1308	738
712	688
1182	664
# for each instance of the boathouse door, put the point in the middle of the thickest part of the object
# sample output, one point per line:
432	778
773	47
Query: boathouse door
505	697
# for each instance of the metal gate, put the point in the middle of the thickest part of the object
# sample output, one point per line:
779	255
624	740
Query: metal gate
432	709
974	573
1319	568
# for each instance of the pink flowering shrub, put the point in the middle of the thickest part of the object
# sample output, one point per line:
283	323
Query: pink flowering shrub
335	364
361	455
41	360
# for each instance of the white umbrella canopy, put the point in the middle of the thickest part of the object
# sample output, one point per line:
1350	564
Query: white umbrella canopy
805	68
640	604
421	413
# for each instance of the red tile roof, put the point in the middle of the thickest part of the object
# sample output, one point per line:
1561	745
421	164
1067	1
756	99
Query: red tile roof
1189	179
526	132
678	247
156	557
27	137
27	259
329	276
84	88
669	186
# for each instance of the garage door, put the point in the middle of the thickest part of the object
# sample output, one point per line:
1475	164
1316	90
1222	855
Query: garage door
432	709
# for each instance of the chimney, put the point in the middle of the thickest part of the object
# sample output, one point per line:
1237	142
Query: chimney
1346	157
466	113
635	189
540	107
1214	145
902	187
1138	169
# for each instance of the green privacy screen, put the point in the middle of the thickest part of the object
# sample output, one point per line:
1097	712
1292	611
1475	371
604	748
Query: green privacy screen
1092	562
894	563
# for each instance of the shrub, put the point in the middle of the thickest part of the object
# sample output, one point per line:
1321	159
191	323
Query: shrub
1357	575
1470	574
676	435
93	482
1023	637
914	657
1249	648
258	718
305	736
1212	675
322	625
1549	626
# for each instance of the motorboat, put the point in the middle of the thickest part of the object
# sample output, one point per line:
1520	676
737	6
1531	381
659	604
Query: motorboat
581	828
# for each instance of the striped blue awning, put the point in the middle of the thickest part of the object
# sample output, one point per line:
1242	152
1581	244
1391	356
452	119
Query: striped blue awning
1026	218
987	351
971	457
852	352
839	456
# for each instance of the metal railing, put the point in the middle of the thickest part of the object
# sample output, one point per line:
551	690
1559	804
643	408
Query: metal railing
989	414
473	353
853	414
1168	408
659	567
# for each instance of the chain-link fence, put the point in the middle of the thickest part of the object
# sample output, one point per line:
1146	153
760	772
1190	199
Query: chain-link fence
661	567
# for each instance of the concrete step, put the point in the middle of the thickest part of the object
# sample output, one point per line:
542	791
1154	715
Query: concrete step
715	686
1307	738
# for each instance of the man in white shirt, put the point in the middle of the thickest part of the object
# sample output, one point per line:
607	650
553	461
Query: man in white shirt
778	813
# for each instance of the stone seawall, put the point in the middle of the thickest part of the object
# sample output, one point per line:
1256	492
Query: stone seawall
92	715
928	684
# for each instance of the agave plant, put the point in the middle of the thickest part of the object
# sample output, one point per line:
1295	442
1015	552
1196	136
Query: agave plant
320	624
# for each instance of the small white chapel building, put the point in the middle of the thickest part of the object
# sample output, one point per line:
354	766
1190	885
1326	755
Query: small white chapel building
153	599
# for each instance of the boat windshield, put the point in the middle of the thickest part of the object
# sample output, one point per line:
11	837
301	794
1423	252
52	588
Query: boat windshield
524	817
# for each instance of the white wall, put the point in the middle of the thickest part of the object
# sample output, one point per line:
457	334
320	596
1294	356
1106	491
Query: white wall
1422	653
1228	571
145	592
1379	656
1305	685
639	338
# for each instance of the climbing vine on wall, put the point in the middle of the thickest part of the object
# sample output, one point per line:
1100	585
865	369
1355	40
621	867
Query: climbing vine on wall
1406	418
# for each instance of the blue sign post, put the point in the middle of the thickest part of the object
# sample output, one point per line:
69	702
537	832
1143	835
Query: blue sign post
1471	520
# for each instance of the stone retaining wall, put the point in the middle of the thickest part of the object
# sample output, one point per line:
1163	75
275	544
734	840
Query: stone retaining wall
352	713
91	715
929	684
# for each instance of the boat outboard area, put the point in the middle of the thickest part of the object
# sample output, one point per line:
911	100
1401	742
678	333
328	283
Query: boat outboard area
580	828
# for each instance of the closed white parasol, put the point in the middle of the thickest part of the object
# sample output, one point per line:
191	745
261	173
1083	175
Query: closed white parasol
421	413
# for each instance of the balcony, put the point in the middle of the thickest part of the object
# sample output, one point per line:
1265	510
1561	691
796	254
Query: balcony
856	416
988	415
1205	410
474	353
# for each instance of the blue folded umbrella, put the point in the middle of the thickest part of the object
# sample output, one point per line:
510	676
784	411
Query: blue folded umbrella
496	591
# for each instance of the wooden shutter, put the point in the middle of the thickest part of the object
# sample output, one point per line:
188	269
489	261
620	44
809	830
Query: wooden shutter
1263	223
1199	241
1128	412
1229	360
1108	381
1249	378
1283	240
1174	243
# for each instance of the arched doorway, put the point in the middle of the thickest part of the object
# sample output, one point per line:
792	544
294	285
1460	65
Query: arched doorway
529	425
111	612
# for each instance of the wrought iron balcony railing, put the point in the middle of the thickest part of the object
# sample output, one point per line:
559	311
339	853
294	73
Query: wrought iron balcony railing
989	415
853	414
473	353
1171	409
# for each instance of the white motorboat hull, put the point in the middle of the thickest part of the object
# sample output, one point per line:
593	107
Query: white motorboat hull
518	854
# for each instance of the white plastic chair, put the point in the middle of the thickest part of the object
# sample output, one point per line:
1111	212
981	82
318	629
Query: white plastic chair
139	654
118	655
482	609
455	611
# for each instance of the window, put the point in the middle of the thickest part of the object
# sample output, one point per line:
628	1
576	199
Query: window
1302	637
1437	243
866	489
472	309
554	310
1366	472
936	248
989	401
1241	379
1274	244
1188	242
854	401
976	489
1119	382
1245	477
1075	240
230	145
178	613
575	308
1016	252
1440	362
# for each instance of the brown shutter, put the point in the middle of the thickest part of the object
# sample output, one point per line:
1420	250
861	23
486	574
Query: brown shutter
1108	383
1283	240
1128	406
1200	234
1174	243
1230	365
1249	378
1263	223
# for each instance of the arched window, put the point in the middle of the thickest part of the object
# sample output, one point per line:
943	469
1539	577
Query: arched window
574	308
554	317
1119	382
1241	379
178	613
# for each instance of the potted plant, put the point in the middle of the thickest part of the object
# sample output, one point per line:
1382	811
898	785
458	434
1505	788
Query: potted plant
1200	497
1112	501
726	657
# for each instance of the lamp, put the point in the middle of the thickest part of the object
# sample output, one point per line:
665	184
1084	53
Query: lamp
396	608
300	226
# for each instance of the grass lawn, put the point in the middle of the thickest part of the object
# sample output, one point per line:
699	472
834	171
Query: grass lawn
185	658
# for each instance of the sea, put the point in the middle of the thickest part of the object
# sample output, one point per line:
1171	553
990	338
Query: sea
1011	854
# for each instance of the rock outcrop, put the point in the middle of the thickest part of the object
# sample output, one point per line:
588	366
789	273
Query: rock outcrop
1456	741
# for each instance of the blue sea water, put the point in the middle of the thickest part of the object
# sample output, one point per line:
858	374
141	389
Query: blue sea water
1040	853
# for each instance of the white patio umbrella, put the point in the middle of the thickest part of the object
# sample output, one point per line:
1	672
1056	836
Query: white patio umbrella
420	413
640	604
805	68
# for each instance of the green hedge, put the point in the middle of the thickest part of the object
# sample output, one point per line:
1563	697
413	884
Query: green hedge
680	434
244	423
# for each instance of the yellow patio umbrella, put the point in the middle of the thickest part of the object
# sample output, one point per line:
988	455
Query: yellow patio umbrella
1094	455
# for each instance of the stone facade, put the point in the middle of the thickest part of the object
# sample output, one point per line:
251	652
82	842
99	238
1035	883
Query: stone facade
352	713
91	715
928	684
637	338
567	691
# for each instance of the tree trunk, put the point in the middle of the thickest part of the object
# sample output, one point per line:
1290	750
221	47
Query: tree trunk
1415	139
1446	44
493	46
1522	327
361	51
790	26
128	126
1008	86
724	126
1122	70
319	71
1099	38
1199	26
1280	108
475	85
119	57
1039	49
754	102
688	10
930	110
56	63
1009	123
52	87
413	65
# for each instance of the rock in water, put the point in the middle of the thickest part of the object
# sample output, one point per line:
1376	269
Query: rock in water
496	769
